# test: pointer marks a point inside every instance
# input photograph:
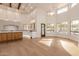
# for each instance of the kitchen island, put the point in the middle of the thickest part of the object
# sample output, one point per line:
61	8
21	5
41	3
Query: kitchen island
10	36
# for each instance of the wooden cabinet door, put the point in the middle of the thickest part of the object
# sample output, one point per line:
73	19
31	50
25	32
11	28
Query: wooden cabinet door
3	37
20	35
13	35
16	35
9	36
0	37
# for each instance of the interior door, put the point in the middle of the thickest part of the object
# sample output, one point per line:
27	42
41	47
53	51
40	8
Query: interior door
42	30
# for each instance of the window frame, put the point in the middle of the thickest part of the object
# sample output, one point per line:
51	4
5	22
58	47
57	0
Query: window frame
75	28
62	10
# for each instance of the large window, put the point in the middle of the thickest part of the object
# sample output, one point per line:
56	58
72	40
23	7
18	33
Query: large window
75	27
51	13
62	10
62	27
73	4
58	27
50	27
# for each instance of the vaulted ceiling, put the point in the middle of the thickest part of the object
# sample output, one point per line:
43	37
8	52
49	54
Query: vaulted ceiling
29	7
27	10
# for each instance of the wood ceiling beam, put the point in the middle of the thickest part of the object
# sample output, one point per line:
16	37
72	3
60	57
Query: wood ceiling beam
0	3
19	5
10	5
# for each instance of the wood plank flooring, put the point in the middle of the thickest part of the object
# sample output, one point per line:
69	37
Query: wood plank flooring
34	47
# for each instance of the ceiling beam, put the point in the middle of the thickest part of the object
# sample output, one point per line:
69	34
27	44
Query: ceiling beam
10	5
19	5
0	3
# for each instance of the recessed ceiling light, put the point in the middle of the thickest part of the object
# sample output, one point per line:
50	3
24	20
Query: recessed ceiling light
74	4
33	21
31	7
51	13
52	24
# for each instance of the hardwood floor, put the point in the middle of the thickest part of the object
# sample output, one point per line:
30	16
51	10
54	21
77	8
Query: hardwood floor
34	47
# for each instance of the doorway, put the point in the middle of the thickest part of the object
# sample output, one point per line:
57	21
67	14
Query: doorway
42	30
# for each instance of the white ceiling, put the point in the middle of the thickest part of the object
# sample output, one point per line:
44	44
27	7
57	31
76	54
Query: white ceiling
29	11
29	7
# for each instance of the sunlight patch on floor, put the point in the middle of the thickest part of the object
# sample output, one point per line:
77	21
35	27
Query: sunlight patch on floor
46	42
70	48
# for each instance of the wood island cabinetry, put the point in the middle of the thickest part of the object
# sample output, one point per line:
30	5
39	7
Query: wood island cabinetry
10	36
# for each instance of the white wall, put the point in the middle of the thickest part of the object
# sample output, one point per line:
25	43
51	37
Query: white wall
41	17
